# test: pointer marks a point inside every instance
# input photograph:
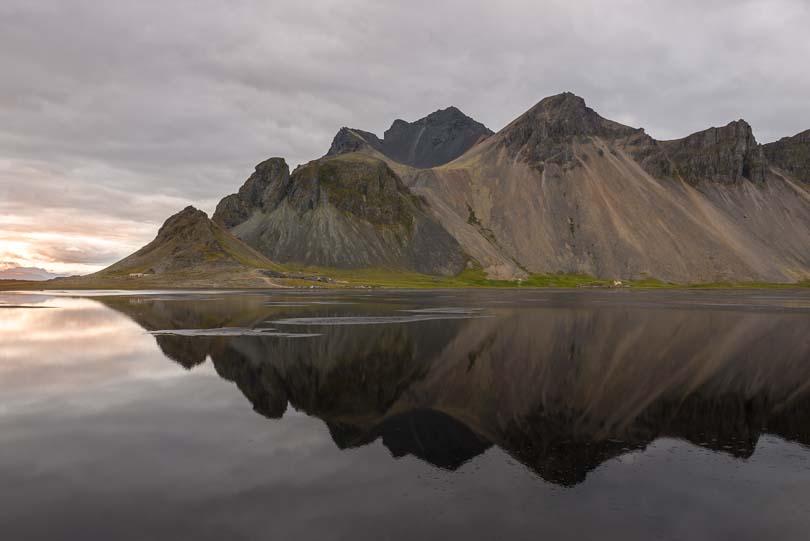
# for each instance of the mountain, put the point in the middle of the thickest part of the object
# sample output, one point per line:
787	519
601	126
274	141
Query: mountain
190	250
190	240
26	273
344	211
559	190
562	189
438	138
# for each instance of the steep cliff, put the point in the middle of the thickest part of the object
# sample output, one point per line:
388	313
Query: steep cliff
340	211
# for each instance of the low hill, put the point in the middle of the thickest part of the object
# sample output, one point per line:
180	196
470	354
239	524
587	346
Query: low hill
190	250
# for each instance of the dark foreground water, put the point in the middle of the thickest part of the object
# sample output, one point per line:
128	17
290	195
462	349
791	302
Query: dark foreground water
405	415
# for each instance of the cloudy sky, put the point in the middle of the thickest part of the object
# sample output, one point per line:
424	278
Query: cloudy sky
116	114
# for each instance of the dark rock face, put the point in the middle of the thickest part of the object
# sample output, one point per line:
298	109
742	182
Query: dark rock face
724	155
431	141
545	132
366	189
791	154
236	208
346	211
434	140
727	155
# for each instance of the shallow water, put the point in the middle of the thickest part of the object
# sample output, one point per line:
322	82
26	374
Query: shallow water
518	414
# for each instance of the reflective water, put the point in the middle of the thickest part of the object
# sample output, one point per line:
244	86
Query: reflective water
401	415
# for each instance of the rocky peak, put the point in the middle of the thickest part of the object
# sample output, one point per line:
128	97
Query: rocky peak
438	138
351	140
186	223
272	166
449	115
727	154
567	115
254	193
545	131
447	118
791	154
268	173
189	240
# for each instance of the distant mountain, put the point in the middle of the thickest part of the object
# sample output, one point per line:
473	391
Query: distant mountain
26	273
431	141
344	211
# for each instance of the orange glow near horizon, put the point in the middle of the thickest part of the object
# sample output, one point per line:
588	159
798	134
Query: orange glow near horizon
32	250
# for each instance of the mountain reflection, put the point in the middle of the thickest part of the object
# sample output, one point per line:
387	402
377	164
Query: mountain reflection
560	386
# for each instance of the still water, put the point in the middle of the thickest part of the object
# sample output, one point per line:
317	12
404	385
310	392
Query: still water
379	415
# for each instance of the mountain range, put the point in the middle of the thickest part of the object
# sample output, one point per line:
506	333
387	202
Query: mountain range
559	190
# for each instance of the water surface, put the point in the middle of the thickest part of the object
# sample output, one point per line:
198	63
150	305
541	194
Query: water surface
514	414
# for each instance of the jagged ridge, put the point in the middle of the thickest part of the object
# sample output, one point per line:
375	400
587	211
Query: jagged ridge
340	211
431	141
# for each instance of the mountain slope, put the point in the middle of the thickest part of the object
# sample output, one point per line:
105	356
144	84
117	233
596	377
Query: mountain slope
428	142
343	211
562	189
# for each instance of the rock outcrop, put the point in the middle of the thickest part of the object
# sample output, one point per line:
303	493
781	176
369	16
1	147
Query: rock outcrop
791	155
343	211
431	141
726	155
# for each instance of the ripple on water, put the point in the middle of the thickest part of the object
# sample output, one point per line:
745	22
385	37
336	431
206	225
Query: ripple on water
231	331
415	315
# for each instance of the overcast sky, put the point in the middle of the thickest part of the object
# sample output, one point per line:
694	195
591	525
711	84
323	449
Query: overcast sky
116	114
